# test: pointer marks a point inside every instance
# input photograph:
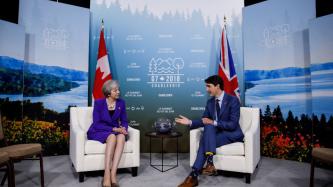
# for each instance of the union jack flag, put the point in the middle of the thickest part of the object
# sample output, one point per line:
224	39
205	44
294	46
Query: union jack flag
226	67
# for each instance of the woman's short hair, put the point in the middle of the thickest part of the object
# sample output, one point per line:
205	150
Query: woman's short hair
108	86
215	80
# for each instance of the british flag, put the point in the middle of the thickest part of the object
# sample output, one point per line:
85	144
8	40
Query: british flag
226	67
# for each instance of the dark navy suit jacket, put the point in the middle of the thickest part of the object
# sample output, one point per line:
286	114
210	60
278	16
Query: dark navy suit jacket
228	120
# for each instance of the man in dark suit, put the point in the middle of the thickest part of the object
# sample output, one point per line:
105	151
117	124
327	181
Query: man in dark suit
221	126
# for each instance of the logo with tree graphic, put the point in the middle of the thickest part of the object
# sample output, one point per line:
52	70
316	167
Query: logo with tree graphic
165	72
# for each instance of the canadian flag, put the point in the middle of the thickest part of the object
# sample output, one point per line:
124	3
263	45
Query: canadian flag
226	68
103	72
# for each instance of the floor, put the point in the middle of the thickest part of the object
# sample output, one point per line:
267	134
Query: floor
271	172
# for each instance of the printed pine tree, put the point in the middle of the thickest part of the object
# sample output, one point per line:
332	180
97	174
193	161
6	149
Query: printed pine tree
268	114
153	66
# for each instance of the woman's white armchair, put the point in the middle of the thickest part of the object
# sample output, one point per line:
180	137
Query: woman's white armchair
88	155
239	156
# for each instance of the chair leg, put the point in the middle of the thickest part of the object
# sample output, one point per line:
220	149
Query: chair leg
312	172
81	176
10	172
5	176
247	178
134	171
41	169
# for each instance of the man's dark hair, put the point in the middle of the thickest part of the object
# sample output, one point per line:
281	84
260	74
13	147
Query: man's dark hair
215	80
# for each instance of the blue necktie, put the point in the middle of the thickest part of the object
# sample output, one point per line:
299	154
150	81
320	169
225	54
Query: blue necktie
218	108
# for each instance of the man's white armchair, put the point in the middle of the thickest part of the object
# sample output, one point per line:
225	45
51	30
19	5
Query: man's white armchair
239	156
88	155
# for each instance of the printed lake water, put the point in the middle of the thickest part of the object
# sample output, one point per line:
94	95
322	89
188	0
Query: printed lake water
301	95
59	101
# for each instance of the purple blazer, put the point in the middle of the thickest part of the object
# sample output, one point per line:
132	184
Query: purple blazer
103	123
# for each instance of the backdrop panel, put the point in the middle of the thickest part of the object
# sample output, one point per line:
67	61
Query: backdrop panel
55	70
277	74
12	37
161	52
57	44
321	47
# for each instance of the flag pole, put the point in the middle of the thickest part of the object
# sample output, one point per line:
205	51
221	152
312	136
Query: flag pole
225	23
103	24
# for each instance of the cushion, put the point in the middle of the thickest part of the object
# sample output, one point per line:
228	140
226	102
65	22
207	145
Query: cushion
3	157
96	147
22	150
233	149
85	117
245	119
323	154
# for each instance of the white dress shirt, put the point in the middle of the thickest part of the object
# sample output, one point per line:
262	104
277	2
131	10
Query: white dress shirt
220	98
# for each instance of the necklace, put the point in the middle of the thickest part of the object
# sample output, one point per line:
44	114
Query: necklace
111	106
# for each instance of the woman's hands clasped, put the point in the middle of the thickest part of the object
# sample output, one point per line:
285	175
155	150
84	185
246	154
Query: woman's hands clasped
121	130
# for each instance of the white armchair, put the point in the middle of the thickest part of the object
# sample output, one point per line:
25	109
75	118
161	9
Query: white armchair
238	156
88	155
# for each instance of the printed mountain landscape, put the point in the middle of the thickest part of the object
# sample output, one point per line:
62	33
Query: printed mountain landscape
38	80
254	75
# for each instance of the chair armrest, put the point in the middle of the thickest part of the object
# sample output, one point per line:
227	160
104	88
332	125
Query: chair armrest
195	136
77	141
134	138
252	143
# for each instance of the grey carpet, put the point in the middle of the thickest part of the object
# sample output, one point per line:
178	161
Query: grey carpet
271	172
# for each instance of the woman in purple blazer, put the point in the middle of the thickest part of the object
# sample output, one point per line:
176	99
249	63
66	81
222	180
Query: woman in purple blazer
110	126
